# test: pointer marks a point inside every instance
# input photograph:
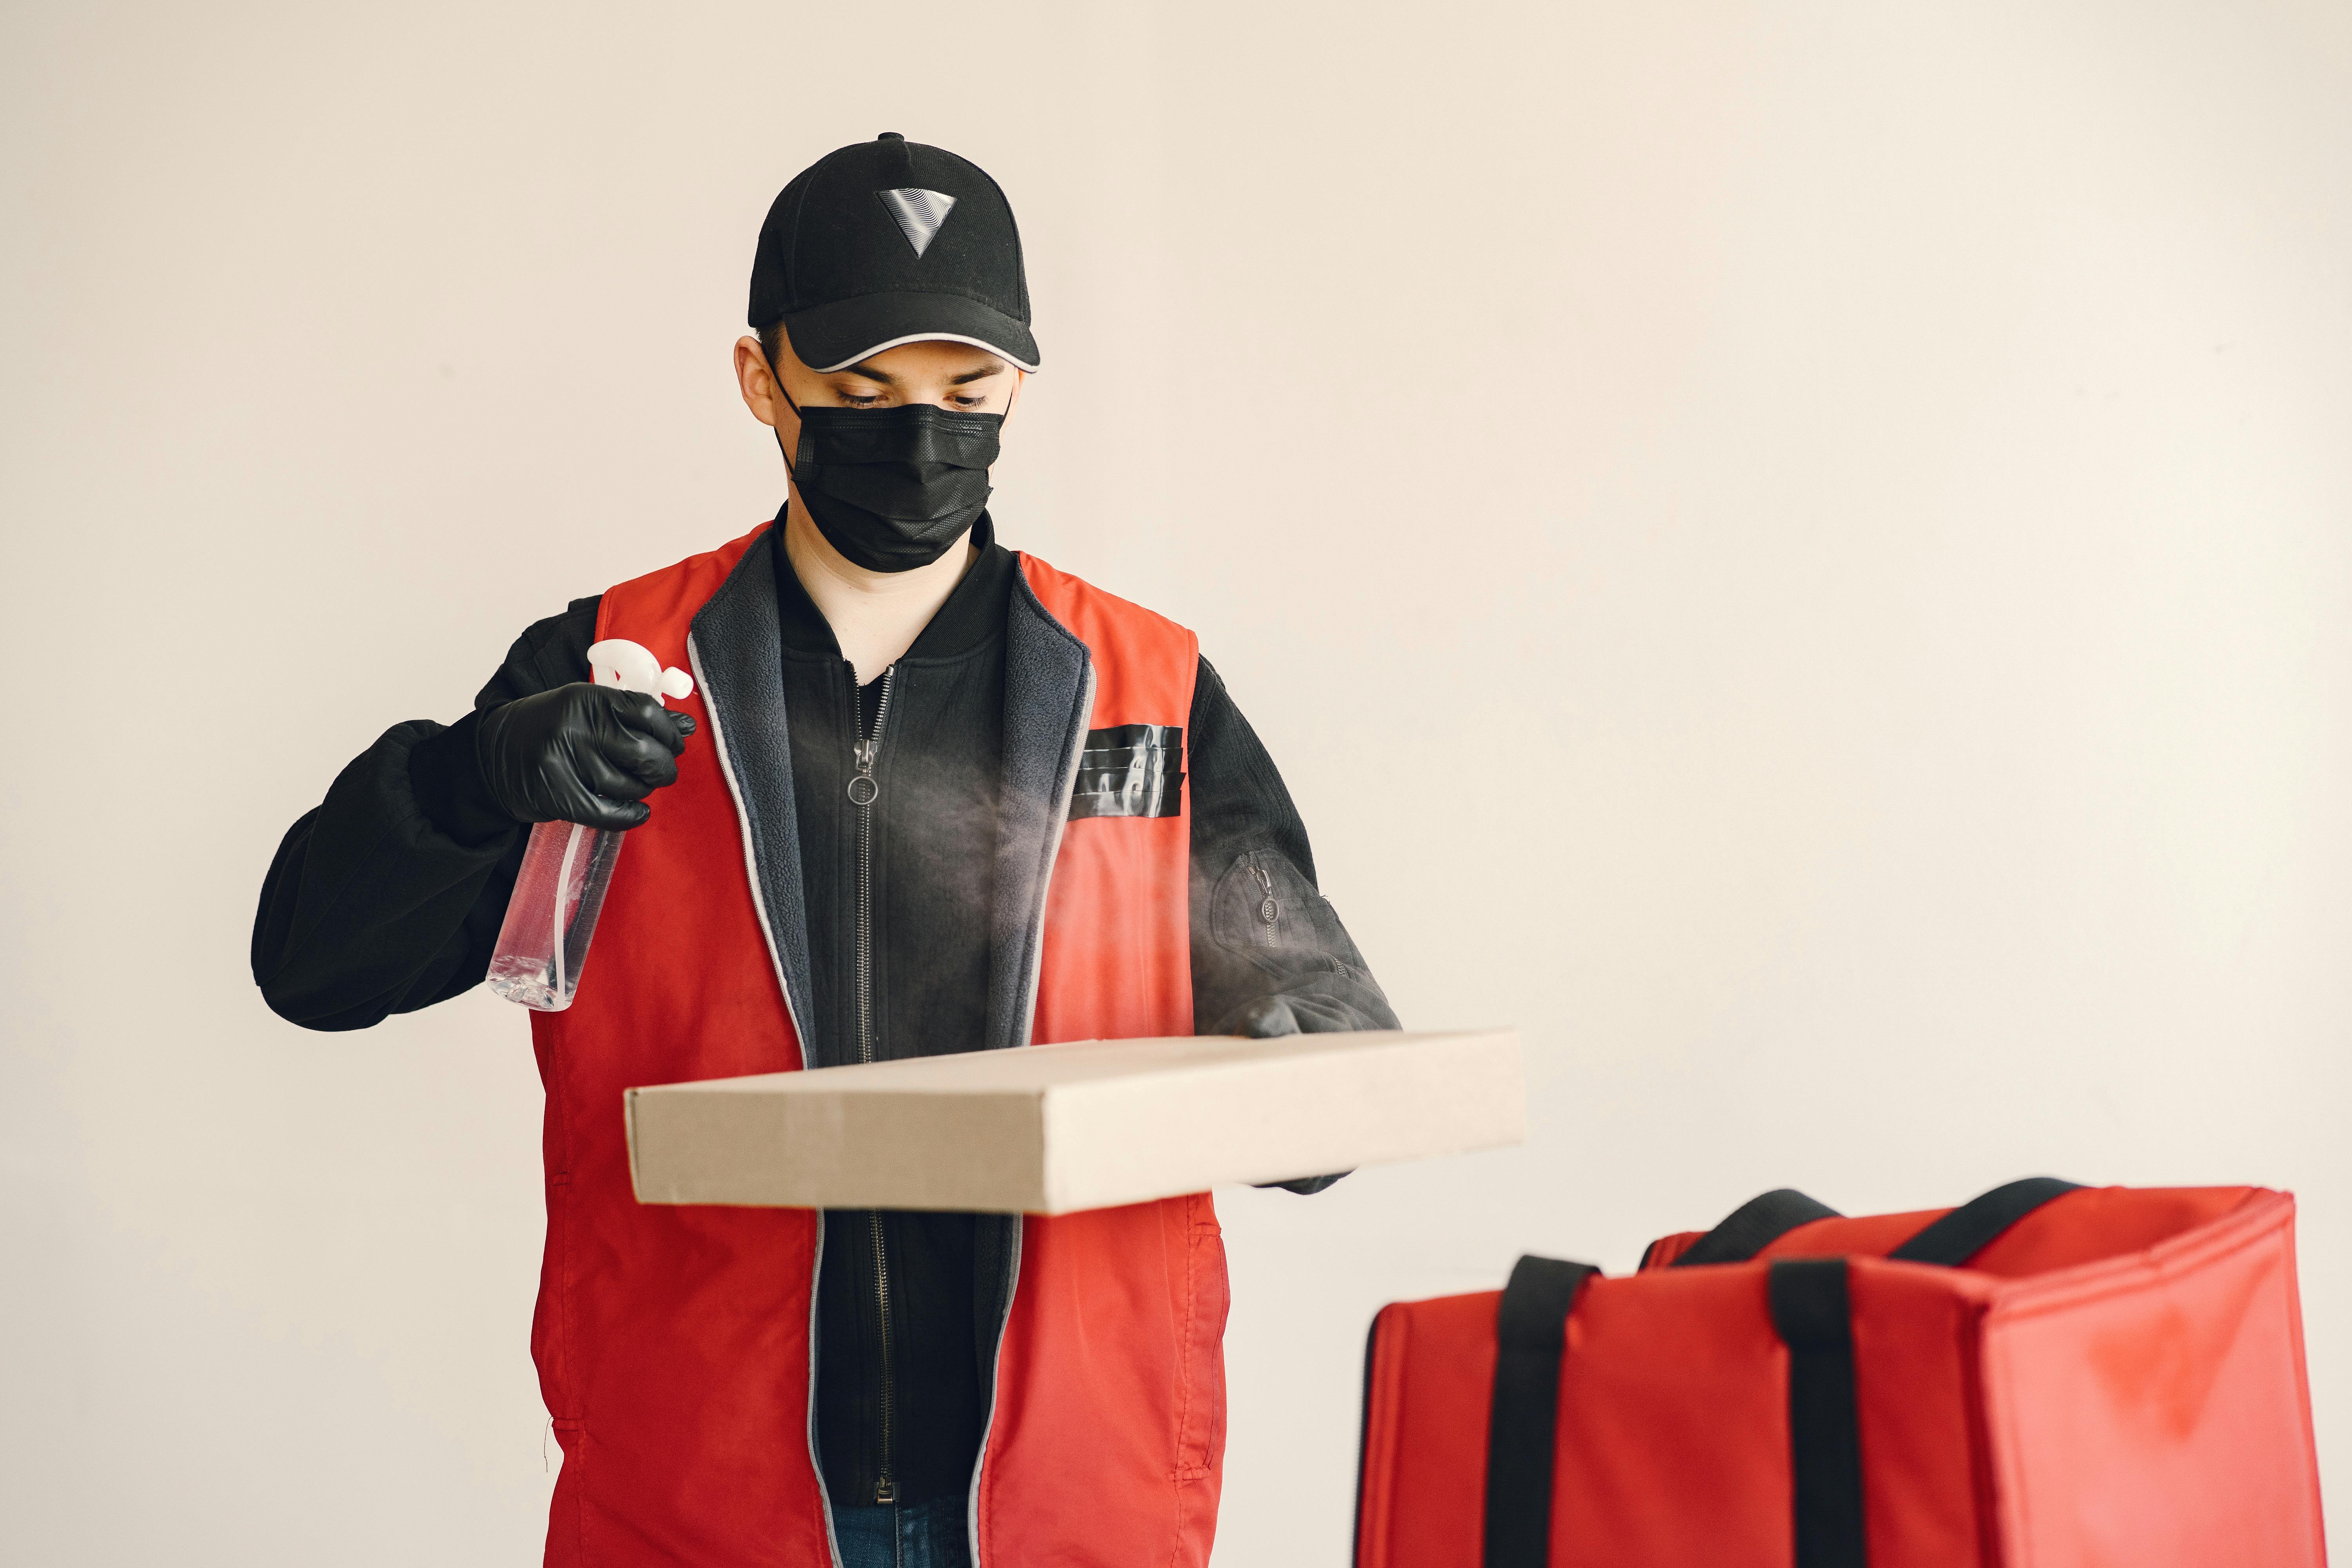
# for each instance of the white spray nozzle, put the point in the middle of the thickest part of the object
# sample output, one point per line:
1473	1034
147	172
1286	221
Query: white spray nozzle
617	661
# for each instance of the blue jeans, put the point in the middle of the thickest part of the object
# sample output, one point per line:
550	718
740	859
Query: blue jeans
922	1535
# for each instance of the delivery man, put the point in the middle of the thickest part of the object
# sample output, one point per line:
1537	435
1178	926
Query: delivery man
930	795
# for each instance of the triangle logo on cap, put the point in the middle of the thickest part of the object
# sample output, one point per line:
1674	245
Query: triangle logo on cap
918	213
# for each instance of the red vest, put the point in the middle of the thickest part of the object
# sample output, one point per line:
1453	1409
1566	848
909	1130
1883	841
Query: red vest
674	1344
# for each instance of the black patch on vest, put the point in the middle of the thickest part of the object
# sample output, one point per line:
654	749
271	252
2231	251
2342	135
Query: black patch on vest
1131	770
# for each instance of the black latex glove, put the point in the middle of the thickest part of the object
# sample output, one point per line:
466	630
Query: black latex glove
1267	1018
581	752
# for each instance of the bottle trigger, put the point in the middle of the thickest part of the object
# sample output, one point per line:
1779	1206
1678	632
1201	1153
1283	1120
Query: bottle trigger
617	661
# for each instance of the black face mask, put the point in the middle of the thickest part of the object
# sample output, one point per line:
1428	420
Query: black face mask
892	488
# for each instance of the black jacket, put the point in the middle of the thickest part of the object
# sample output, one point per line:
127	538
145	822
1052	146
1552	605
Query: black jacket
389	897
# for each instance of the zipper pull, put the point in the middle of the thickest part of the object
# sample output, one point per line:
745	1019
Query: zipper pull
865	787
1269	907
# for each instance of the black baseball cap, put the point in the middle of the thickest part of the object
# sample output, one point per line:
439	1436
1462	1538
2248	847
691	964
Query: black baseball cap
887	242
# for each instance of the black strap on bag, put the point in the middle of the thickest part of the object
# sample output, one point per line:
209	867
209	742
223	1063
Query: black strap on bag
1754	1226
1810	1312
1977	1223
1531	1337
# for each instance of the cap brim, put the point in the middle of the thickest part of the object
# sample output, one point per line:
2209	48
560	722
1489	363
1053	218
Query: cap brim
827	337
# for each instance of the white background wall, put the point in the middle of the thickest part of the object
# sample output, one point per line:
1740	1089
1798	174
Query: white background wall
1798	553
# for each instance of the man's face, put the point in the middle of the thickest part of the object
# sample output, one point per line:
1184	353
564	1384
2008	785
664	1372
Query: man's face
954	376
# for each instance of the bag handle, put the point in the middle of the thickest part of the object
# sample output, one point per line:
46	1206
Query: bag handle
1810	1312
1531	1337
1754	1226
1979	1223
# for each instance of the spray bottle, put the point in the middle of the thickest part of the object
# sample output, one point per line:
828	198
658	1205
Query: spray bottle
560	889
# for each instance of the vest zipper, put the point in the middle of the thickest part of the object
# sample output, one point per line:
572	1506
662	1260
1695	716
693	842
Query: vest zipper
863	790
801	1036
1028	1024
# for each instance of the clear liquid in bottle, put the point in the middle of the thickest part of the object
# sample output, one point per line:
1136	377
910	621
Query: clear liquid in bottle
550	920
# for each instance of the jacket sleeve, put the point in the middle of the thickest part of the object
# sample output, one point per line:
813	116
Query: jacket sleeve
1261	929
1260	926
389	896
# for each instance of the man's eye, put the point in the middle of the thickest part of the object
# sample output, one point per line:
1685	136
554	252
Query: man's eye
856	400
962	401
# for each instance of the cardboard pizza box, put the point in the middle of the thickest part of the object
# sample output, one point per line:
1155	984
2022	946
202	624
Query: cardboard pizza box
1054	1129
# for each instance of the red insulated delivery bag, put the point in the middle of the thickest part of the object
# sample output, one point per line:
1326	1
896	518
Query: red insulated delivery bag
2051	1377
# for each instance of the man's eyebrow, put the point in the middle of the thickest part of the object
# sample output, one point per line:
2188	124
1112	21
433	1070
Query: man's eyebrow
870	373
974	375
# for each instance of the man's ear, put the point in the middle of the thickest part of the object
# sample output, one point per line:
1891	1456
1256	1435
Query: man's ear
757	382
764	397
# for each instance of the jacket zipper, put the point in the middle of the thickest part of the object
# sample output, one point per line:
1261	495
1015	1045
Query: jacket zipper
1269	910
863	790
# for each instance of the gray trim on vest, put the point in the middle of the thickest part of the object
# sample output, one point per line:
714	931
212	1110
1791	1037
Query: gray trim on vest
1047	703
1048	698
741	645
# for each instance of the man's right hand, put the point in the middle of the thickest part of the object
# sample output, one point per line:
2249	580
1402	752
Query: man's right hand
581	752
